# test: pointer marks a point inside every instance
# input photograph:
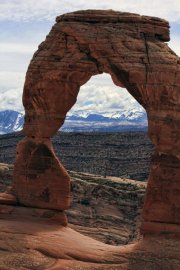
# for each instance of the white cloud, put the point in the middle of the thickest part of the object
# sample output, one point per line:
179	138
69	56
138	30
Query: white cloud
14	62
11	100
11	80
100	94
174	44
22	48
11	87
49	9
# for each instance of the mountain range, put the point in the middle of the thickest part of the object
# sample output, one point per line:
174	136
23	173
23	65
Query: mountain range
10	121
87	121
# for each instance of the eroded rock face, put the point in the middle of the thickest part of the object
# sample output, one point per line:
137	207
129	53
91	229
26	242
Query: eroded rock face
131	49
106	209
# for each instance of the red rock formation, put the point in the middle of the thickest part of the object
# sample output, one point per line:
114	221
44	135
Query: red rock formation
131	49
40	180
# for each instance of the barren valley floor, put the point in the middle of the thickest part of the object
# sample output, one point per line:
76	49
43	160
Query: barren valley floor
123	154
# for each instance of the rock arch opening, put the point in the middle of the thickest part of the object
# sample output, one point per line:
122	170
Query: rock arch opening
119	147
100	96
132	49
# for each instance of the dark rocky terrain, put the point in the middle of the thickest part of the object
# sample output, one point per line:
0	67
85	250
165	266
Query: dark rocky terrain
124	154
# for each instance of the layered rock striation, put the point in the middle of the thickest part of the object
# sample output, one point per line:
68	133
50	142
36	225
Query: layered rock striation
106	209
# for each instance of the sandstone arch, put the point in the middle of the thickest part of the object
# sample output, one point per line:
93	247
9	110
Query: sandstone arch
132	49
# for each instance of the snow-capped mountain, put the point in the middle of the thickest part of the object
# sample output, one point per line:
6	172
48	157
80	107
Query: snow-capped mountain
121	115
132	119
122	120
10	121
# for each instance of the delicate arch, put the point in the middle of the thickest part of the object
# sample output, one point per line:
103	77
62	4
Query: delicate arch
131	49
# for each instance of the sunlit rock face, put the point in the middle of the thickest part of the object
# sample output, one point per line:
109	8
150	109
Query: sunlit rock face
132	49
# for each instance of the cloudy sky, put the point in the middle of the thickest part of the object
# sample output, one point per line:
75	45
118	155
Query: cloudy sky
24	24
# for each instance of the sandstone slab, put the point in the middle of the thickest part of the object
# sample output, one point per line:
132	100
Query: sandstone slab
37	243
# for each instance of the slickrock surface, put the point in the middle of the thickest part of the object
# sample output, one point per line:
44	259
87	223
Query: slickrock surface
29	242
122	154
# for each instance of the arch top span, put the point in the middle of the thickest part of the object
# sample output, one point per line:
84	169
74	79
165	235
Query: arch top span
133	50
81	44
153	25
